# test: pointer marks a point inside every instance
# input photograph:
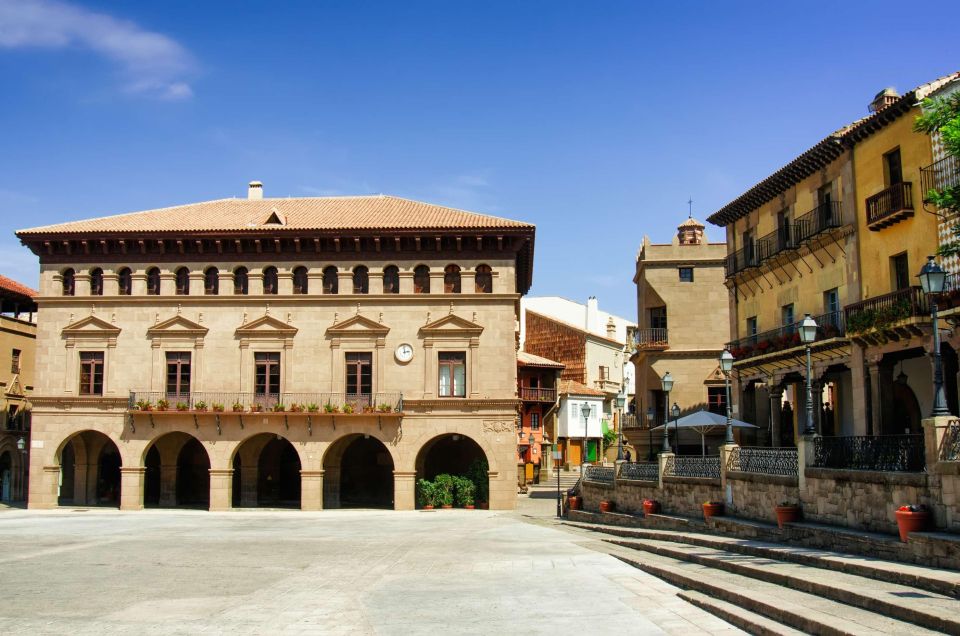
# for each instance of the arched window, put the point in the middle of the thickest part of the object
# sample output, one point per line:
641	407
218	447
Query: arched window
330	280
69	282
241	281
484	279
124	282
361	280
270	280
451	279
96	282
421	279
391	279
153	281
300	280
183	281
211	281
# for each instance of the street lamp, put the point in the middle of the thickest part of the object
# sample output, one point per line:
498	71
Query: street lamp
808	333
621	401
650	415
585	411
22	447
932	280
675	412
666	383
726	365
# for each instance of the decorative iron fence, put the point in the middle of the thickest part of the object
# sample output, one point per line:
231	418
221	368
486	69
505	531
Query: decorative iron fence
764	461
881	312
538	394
602	474
231	401
950	446
694	466
829	325
890	453
939	176
640	471
651	338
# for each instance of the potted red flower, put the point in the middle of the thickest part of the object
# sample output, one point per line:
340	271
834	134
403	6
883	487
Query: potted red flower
607	506
651	506
712	509
786	513
912	518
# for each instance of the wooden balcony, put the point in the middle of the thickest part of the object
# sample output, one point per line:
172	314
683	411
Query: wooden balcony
889	206
652	339
537	394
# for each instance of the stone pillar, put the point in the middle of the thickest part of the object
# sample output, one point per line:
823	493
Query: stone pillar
404	490
874	425
197	283
131	487
375	281
168	284
344	282
81	284
221	489
249	478
138	284
725	452
468	281
44	489
805	457
168	485
111	285
255	282
285	283
662	461
314	282
436	282
776	399
311	490
226	282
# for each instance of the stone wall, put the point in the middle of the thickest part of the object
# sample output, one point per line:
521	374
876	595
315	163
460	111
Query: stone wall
630	494
685	495
754	495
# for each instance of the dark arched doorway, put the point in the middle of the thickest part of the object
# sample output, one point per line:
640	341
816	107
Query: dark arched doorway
177	472
452	454
89	471
7	491
193	475
266	473
152	477
358	473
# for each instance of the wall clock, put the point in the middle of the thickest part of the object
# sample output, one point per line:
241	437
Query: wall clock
404	353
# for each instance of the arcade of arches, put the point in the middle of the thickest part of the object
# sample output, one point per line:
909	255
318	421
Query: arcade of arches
266	470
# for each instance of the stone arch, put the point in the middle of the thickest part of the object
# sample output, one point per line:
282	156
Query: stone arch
266	472
358	472
11	472
177	472
455	454
90	463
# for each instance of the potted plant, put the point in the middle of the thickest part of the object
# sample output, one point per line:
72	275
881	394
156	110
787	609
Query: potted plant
256	408
162	405
144	405
183	406
573	501
200	406
651	506
712	509
787	513
426	496
279	407
464	492
478	473
368	409
348	408
384	408
444	490
217	407
237	407
296	408
912	518
313	408
607	506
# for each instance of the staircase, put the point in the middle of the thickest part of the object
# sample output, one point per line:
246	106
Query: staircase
568	479
771	588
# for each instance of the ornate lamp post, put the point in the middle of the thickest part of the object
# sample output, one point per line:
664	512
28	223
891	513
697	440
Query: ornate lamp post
726	365
585	409
22	447
932	280
675	412
621	401
666	383
650	415
808	333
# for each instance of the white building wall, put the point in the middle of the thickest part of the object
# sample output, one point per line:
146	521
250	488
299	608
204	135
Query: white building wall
570	422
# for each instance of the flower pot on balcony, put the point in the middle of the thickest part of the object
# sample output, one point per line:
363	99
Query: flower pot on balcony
607	506
787	514
651	507
912	519
712	509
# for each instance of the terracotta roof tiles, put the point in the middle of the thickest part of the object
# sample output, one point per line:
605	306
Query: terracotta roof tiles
571	387
13	287
525	359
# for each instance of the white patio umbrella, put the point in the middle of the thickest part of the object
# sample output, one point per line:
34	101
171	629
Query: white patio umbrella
703	422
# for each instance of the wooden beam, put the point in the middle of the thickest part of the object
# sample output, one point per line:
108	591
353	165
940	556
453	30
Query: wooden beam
162	246
276	245
86	247
459	244
123	246
396	243
219	245
356	244
199	245
417	241
258	245
104	247
143	246
316	245
180	246
238	244
376	243
336	244
296	245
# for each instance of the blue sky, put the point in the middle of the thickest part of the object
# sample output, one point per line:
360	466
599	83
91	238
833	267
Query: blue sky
594	120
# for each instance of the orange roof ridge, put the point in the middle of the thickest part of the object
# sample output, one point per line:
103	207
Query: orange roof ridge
12	286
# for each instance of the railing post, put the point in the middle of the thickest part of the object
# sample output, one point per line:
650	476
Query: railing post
934	429
662	465
725	451
805	457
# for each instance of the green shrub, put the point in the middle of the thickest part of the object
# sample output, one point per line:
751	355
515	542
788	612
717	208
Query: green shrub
426	493
478	473
464	491
443	485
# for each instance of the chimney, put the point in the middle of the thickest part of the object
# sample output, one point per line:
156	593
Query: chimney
883	99
611	329
592	318
255	190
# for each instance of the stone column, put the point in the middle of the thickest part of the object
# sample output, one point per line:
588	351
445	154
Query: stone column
168	284
81	284
138	284
874	425
197	283
285	283
776	399
311	490
226	282
111	284
376	281
404	490
436	282
406	283
314	282
344	282
255	282
44	491
221	489
805	457
468	281
662	461
168	485
131	487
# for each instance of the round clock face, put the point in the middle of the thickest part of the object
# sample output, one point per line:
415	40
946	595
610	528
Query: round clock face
404	353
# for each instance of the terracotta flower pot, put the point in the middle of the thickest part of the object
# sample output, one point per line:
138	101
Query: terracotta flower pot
787	514
484	505
651	507
470	507
712	510
573	502
428	507
908	522
447	506
607	506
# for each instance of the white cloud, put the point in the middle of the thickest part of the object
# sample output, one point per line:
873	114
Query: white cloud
152	63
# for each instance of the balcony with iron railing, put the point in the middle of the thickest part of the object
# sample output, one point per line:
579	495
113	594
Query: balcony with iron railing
886	311
825	216
651	338
537	394
890	205
238	402
829	326
940	176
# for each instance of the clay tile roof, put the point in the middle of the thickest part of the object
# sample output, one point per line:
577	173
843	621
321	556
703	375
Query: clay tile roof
11	286
571	387
525	359
376	212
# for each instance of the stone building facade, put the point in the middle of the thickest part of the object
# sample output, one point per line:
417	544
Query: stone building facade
17	351
312	352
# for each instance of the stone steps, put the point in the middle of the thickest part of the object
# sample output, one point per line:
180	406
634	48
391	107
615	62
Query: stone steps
737	616
794	608
945	582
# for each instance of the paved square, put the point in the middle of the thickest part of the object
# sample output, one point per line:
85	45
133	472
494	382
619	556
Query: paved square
265	572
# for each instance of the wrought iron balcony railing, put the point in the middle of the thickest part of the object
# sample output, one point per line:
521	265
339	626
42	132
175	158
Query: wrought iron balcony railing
939	176
829	325
764	461
885	311
537	394
652	338
950	446
693	466
640	471
602	474
316	403
890	205
889	453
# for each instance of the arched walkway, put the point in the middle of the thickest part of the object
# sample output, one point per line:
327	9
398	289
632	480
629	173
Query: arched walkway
455	454
358	472
89	470
266	473
177	472
6	477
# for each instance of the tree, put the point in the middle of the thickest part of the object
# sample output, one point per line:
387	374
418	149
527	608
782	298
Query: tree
942	115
